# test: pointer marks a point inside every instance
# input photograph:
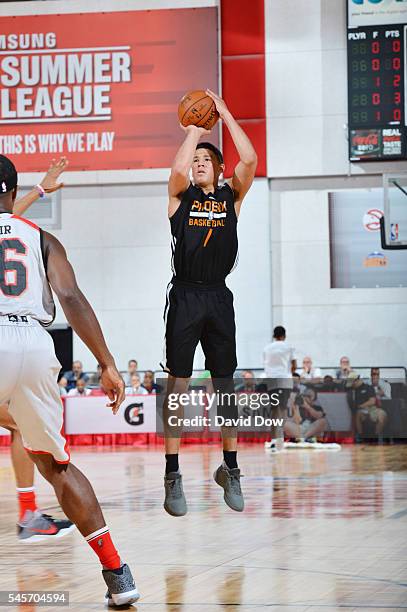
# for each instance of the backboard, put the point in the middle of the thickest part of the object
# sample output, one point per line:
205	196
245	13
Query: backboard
394	222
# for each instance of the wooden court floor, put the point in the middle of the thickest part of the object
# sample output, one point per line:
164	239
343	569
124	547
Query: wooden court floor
321	531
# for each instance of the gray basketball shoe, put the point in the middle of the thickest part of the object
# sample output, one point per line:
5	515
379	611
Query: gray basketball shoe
121	587
175	502
229	480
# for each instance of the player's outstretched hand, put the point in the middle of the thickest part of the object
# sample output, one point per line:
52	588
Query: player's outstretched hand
113	385
194	128
49	182
219	103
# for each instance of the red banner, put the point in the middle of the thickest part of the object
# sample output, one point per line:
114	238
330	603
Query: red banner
101	88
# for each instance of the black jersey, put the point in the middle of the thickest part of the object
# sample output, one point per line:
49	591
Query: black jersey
204	235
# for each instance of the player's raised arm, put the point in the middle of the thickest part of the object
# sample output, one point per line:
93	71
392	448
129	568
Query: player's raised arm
81	317
179	177
244	172
48	184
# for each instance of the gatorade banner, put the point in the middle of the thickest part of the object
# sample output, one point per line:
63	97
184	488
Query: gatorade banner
101	88
89	415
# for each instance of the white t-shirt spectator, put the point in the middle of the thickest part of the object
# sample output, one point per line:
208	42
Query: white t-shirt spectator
136	391
385	387
76	393
314	373
278	356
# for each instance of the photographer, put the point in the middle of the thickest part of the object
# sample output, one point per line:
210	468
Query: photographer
307	418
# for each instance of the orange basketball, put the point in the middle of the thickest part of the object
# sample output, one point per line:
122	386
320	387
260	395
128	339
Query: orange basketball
197	108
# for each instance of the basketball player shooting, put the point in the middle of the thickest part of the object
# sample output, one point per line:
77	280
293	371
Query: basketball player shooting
203	217
31	263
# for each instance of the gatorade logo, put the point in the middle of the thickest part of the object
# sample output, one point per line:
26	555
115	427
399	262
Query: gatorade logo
134	414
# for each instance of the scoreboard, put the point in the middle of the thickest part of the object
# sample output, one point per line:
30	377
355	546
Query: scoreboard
377	92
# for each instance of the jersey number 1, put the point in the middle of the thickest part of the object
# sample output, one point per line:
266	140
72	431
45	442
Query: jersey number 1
12	268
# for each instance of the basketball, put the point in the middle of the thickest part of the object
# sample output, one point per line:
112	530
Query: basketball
197	108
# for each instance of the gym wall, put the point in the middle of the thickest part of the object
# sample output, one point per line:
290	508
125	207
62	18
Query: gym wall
122	259
307	157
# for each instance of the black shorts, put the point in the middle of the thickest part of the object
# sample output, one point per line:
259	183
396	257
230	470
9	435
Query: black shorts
199	313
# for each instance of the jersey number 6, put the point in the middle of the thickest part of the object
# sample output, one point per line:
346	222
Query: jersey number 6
13	273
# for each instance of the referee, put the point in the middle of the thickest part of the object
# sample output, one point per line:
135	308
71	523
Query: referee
199	308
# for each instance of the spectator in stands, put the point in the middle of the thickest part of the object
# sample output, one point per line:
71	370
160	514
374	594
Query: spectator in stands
75	374
149	383
308	372
307	418
135	387
62	383
249	383
94	378
80	389
132	368
344	369
95	382
330	385
365	405
298	387
382	387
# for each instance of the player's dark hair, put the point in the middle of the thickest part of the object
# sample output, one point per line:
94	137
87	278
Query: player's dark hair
211	147
8	175
279	332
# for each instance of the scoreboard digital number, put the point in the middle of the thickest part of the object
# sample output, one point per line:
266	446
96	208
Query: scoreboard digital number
376	93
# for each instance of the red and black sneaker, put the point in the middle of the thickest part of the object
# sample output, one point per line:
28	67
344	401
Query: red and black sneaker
38	527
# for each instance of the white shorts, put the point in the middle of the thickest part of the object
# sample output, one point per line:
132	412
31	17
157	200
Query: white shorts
28	384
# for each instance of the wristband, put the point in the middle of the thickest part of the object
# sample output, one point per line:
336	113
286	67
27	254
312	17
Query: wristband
40	190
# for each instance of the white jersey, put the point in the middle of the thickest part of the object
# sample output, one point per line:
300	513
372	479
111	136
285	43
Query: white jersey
278	356
24	287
